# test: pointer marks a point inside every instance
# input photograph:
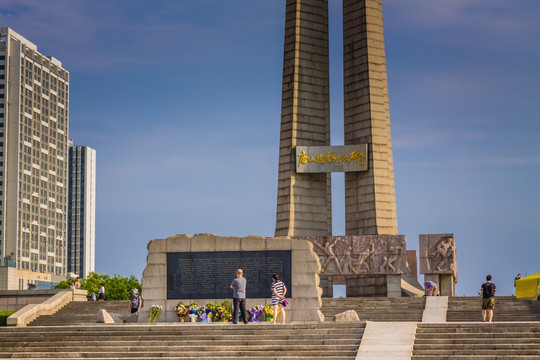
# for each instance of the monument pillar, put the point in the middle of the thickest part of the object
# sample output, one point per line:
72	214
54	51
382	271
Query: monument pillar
304	204
370	201
304	200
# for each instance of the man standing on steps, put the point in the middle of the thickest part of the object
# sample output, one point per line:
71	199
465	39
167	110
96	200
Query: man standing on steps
488	291
239	296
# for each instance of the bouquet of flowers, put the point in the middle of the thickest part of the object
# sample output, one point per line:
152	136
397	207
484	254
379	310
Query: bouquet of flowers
200	313
269	312
255	311
208	312
181	310
223	312
193	311
155	310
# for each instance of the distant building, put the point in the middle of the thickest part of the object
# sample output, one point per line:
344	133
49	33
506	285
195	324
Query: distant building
34	103
81	210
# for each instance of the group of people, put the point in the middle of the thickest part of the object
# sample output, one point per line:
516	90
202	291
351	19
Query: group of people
279	290
75	284
101	293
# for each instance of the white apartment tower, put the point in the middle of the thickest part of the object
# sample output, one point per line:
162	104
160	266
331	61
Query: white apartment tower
81	210
34	95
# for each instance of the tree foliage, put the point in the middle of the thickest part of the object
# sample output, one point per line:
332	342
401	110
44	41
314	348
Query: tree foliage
117	287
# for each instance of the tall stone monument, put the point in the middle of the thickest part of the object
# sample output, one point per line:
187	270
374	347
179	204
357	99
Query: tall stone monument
304	198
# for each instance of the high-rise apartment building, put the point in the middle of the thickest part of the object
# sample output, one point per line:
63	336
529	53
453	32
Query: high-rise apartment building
81	210
34	98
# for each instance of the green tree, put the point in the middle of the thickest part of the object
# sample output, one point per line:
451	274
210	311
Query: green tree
116	288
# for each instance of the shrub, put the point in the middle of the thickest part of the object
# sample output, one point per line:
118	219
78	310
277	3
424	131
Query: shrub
4	315
116	288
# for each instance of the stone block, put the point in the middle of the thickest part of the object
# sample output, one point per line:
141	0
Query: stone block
157	246
132	318
306	303
103	317
178	243
305	267
349	315
156	259
155	270
203	242
278	244
393	285
228	243
253	243
305	280
306	291
307	315
300	244
151	295
155	282
117	318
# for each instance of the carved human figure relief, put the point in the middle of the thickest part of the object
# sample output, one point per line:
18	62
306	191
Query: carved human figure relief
363	264
442	254
330	256
388	261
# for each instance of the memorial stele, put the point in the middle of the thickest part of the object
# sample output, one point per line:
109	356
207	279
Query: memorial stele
371	258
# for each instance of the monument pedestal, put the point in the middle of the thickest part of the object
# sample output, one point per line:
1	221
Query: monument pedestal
393	285
446	283
438	261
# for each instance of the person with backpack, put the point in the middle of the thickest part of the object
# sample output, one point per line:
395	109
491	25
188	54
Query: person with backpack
488	291
135	301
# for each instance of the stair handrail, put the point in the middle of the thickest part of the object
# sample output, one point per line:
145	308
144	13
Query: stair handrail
48	307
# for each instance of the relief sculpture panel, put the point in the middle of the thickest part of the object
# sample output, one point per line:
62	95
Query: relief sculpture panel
438	254
362	254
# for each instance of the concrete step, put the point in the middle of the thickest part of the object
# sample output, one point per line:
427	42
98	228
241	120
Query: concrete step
184	341
82	312
507	308
376	309
493	341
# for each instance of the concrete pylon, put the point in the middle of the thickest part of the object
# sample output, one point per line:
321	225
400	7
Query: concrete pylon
304	204
370	199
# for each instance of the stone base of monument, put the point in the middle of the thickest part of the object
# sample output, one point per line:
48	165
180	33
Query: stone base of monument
438	261
446	283
201	268
363	285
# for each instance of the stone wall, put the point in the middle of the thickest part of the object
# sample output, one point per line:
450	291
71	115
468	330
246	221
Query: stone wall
17	299
303	306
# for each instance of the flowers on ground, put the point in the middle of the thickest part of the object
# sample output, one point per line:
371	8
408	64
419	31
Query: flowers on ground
181	310
255	312
269	312
155	310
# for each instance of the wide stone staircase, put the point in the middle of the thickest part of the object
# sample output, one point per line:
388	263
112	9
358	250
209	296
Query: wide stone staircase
329	341
507	308
81	313
376	309
477	341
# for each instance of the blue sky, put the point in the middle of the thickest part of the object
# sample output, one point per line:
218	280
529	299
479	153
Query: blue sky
182	100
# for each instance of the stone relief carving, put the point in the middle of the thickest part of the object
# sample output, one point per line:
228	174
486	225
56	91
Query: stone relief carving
438	254
363	254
